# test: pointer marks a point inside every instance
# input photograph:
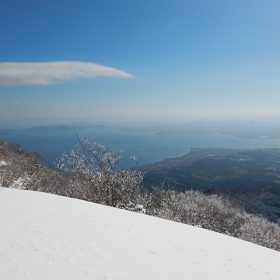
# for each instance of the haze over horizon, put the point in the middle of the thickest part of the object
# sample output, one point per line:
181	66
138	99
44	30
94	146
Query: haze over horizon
64	61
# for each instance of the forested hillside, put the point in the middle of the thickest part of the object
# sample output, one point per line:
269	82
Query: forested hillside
250	176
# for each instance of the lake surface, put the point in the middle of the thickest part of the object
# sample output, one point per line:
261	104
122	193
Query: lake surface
50	142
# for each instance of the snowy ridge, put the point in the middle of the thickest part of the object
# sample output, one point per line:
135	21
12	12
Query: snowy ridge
44	236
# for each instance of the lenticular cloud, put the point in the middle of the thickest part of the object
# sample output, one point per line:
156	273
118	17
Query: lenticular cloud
46	73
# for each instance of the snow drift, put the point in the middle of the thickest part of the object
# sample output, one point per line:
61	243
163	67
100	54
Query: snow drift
44	236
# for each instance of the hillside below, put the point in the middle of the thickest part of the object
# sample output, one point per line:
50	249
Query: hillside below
44	236
251	176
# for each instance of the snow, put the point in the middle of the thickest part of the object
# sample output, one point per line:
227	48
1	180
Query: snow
3	163
44	236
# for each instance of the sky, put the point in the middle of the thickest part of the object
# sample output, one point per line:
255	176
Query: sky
143	60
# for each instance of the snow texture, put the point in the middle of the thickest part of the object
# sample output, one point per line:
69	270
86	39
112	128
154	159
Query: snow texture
44	236
3	163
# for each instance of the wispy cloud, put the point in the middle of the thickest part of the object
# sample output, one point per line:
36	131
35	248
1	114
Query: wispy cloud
46	73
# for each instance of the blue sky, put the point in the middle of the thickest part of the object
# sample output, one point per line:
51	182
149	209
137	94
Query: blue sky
190	60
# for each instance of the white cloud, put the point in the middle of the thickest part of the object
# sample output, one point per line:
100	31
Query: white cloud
46	73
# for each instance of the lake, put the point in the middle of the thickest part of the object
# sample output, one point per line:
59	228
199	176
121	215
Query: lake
50	142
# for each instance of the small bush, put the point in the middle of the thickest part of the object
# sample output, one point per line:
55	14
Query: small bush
214	213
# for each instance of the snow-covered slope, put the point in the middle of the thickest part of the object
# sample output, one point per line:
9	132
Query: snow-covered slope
44	236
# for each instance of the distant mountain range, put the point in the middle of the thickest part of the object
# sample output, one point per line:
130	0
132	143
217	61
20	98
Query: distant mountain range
251	176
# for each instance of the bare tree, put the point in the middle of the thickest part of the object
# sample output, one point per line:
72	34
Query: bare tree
96	168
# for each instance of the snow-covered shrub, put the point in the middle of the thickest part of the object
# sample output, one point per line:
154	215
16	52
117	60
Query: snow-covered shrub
48	180
212	212
260	231
139	208
195	208
95	168
25	170
16	165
